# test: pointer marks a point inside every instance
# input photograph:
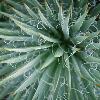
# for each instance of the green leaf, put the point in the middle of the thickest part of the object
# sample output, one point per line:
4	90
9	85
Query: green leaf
79	39
67	65
76	81
22	70
56	78
75	65
86	75
5	91
5	70
50	39
64	23
93	34
48	9
28	49
48	61
86	37
6	14
10	97
8	68
34	15
90	89
31	92
44	83
95	11
46	22
92	59
24	16
79	23
93	45
65	27
32	31
16	38
5	31
95	73
14	4
4	24
38	4
30	80
87	24
59	52
16	59
89	58
18	96
5	56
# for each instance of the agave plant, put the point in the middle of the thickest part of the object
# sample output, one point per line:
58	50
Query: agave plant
50	52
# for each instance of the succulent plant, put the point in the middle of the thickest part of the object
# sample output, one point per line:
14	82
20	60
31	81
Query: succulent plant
50	52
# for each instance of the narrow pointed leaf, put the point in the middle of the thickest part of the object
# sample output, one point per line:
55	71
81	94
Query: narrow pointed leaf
48	10
24	16
76	67
31	79
93	45
14	4
5	31
46	22
29	29
59	52
32	31
15	59
22	70
95	73
31	12
93	34
48	61
78	23
27	49
38	4
16	38
64	23
79	39
86	74
66	58
56	78
44	83
89	58
87	24
5	56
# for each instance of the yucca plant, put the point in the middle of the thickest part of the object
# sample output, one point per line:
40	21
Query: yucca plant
51	51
